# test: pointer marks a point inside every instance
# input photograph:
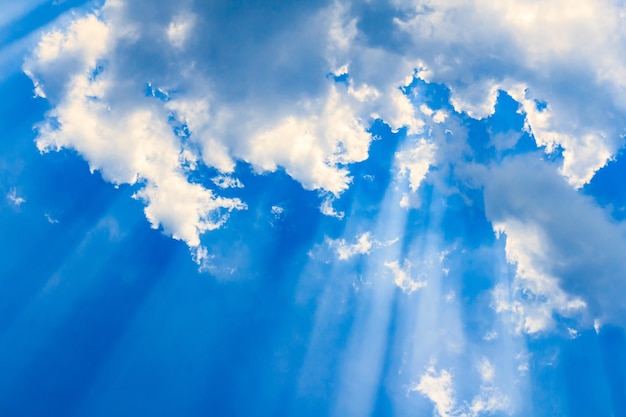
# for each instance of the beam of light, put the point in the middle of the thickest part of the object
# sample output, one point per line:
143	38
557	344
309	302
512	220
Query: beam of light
362	360
42	329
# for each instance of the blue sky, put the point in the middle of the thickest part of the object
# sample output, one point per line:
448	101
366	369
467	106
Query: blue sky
348	208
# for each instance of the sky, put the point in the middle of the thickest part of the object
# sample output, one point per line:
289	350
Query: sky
322	208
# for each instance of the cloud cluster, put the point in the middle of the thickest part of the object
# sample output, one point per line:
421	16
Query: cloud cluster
146	97
150	92
128	140
560	61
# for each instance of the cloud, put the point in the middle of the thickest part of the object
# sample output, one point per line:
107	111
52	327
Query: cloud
225	181
536	53
564	248
535	294
415	160
127	139
327	209
51	219
362	246
402	277
296	87
179	30
284	112
277	211
278	215
14	198
438	387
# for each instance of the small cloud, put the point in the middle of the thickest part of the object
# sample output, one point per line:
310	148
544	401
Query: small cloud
486	370
277	211
402	277
404	201
179	29
489	336
426	110
522	368
50	219
410	200
202	258
327	209
415	162
523	359
15	199
573	333
363	246
225	181
440	116
438	387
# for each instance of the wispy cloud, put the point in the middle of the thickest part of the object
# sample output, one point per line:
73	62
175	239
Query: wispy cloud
402	277
14	198
363	245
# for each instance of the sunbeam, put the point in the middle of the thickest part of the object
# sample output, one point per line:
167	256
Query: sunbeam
322	208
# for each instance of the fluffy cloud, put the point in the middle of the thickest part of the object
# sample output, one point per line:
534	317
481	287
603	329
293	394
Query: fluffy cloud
296	86
128	140
273	103
564	55
564	247
437	386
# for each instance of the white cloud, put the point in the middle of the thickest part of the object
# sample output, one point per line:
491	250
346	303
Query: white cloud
440	116
489	401
185	210
51	219
362	246
288	113
279	113
225	181
536	295
404	201
533	50
14	198
277	211
128	141
179	29
597	326
327	209
491	335
402	277
438	387
415	160
486	370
